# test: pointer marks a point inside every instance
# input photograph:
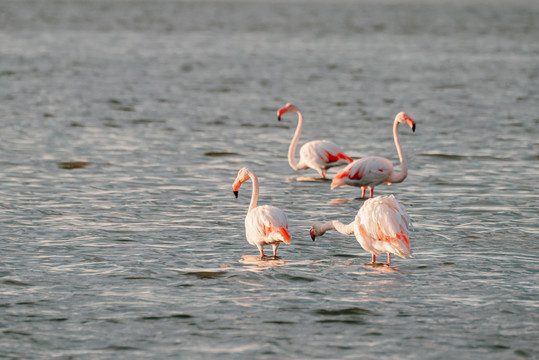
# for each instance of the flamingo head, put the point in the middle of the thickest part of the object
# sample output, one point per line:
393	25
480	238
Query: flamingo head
316	231
285	109
402	117
243	175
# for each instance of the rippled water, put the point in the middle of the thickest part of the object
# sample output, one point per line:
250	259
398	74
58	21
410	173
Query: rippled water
124	124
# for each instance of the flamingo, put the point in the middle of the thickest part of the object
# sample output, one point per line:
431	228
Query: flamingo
373	170
319	155
266	224
381	225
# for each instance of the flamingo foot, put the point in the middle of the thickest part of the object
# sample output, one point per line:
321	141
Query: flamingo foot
375	265
382	267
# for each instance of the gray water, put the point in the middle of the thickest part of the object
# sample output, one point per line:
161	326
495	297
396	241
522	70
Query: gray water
124	123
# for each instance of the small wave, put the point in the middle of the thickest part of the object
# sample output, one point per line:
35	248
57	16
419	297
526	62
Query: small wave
264	126
220	153
280	322
462	157
15	283
71	165
346	311
449	86
343	321
147	121
298	278
164	317
121	348
206	274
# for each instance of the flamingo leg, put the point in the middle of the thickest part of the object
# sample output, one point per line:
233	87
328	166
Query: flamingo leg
372	192
388	259
275	250
261	249
362	192
373	258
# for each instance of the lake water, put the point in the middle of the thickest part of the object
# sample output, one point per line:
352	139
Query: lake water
123	126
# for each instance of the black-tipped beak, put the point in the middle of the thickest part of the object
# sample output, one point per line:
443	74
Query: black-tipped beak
235	194
312	235
413	128
279	118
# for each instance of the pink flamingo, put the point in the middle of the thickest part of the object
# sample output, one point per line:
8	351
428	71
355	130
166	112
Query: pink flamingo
266	224
373	170
319	155
381	225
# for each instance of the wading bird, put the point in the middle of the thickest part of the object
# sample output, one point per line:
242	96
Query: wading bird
371	171
381	225
319	155
266	224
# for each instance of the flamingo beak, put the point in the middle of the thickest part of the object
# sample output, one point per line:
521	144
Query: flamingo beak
313	236
235	194
282	111
410	122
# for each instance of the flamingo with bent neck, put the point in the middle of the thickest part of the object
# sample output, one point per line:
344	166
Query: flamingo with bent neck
371	171
319	155
381	225
266	224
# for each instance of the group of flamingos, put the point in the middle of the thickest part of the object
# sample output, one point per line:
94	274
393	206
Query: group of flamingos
381	224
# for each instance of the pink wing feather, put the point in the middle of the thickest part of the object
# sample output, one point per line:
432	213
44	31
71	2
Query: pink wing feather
383	226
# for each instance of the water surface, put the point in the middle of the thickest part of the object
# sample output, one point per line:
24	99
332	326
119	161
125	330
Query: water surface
124	124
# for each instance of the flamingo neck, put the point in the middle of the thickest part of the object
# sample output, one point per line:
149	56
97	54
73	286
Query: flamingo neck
292	148
254	196
343	228
337	225
398	177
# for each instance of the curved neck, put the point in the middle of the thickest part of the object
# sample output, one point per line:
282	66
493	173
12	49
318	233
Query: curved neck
394	177
292	148
339	226
254	196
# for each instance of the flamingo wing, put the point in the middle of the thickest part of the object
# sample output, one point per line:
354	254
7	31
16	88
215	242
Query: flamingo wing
383	223
369	171
267	224
323	153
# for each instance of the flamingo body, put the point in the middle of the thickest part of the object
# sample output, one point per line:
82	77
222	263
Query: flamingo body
265	224
319	155
371	171
381	225
365	172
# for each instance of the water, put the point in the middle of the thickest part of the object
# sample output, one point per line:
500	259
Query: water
124	124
